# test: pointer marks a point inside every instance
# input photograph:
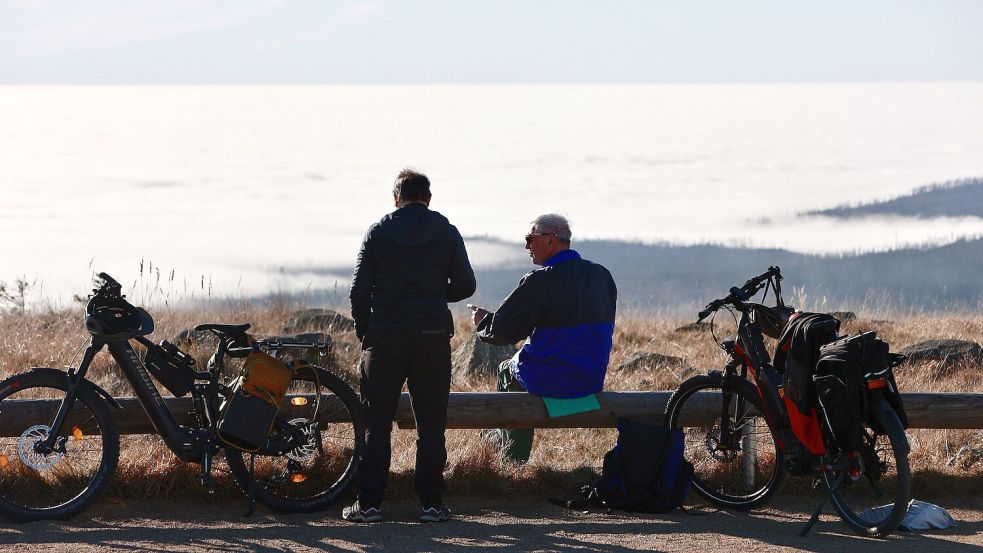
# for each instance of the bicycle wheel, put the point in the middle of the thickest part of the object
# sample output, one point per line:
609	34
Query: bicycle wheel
738	472
318	470
876	503
61	483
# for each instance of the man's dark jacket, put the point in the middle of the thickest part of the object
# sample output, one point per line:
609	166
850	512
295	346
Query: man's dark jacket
566	309
412	263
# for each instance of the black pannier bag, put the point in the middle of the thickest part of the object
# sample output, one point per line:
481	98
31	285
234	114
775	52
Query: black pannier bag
795	360
846	369
645	472
173	368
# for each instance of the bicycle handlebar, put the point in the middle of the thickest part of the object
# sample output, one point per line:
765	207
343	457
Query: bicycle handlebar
738	296
108	286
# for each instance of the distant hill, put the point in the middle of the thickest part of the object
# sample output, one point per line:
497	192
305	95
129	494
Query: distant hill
681	279
665	277
961	198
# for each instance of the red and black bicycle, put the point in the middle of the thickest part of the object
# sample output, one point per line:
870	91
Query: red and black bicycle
739	439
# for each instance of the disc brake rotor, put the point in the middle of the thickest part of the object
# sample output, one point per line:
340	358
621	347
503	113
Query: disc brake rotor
306	450
30	457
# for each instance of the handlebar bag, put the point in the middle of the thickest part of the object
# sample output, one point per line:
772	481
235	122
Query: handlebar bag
249	413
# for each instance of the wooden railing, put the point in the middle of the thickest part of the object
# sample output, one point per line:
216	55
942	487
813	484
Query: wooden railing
522	410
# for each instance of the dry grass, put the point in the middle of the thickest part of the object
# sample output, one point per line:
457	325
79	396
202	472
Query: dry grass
561	458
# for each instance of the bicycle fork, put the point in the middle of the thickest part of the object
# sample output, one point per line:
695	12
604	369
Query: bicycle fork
55	442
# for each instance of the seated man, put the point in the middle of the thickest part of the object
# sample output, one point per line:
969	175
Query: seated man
565	311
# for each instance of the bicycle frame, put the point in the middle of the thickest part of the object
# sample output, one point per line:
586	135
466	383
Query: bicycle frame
187	443
750	355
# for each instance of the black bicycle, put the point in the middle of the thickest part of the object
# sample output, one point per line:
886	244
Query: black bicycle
738	437
60	443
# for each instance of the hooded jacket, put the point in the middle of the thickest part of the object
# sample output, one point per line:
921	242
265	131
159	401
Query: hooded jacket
566	310
412	263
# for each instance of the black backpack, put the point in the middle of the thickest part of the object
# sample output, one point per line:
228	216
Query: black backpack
644	473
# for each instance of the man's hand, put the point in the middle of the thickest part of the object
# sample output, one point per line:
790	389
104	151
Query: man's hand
478	314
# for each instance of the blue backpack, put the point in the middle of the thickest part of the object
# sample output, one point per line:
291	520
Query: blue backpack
644	473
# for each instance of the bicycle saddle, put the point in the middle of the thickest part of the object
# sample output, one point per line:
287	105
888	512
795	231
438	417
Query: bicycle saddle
224	328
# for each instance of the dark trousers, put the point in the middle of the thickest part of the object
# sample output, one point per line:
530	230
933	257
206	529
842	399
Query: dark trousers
422	359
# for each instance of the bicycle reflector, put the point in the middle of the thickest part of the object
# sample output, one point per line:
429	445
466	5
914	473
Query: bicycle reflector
3	461
297	477
77	432
298	401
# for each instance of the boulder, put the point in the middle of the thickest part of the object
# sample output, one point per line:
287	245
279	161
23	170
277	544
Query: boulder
317	320
947	352
967	457
476	358
694	327
188	338
646	360
844	316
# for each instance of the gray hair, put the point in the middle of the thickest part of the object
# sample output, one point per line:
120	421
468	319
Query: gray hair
554	224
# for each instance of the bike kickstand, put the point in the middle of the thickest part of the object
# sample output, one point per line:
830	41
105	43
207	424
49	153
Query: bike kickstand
252	485
819	508
814	518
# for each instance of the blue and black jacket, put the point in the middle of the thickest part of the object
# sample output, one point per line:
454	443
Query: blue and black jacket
566	310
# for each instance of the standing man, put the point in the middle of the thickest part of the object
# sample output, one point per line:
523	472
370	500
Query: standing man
412	263
565	312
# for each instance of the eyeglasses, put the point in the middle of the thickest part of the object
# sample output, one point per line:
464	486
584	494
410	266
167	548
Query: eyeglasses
532	235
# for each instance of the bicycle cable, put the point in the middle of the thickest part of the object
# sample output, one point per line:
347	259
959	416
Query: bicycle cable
77	352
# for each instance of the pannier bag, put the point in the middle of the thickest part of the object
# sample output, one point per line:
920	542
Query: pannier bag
644	473
795	359
173	368
249	413
847	368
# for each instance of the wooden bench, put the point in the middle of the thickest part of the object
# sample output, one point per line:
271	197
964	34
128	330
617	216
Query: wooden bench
522	410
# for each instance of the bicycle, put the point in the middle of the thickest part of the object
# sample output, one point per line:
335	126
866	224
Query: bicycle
738	435
65	445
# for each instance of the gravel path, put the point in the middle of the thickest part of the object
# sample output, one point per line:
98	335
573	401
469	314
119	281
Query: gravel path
480	524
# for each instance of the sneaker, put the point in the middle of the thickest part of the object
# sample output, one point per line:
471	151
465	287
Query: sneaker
437	513
356	513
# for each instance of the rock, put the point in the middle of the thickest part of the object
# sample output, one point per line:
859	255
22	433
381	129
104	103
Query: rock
694	327
476	358
189	338
317	320
844	316
967	457
947	352
646	360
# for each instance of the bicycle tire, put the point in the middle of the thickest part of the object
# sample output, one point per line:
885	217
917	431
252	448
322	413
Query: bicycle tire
861	505
717	472
60	484
327	472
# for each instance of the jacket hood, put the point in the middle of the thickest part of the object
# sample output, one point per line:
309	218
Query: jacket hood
414	225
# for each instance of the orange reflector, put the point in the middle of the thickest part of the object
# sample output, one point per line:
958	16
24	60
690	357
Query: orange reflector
877	383
77	432
3	461
297	478
298	401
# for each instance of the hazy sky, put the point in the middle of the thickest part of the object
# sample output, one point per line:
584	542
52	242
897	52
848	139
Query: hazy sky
502	41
